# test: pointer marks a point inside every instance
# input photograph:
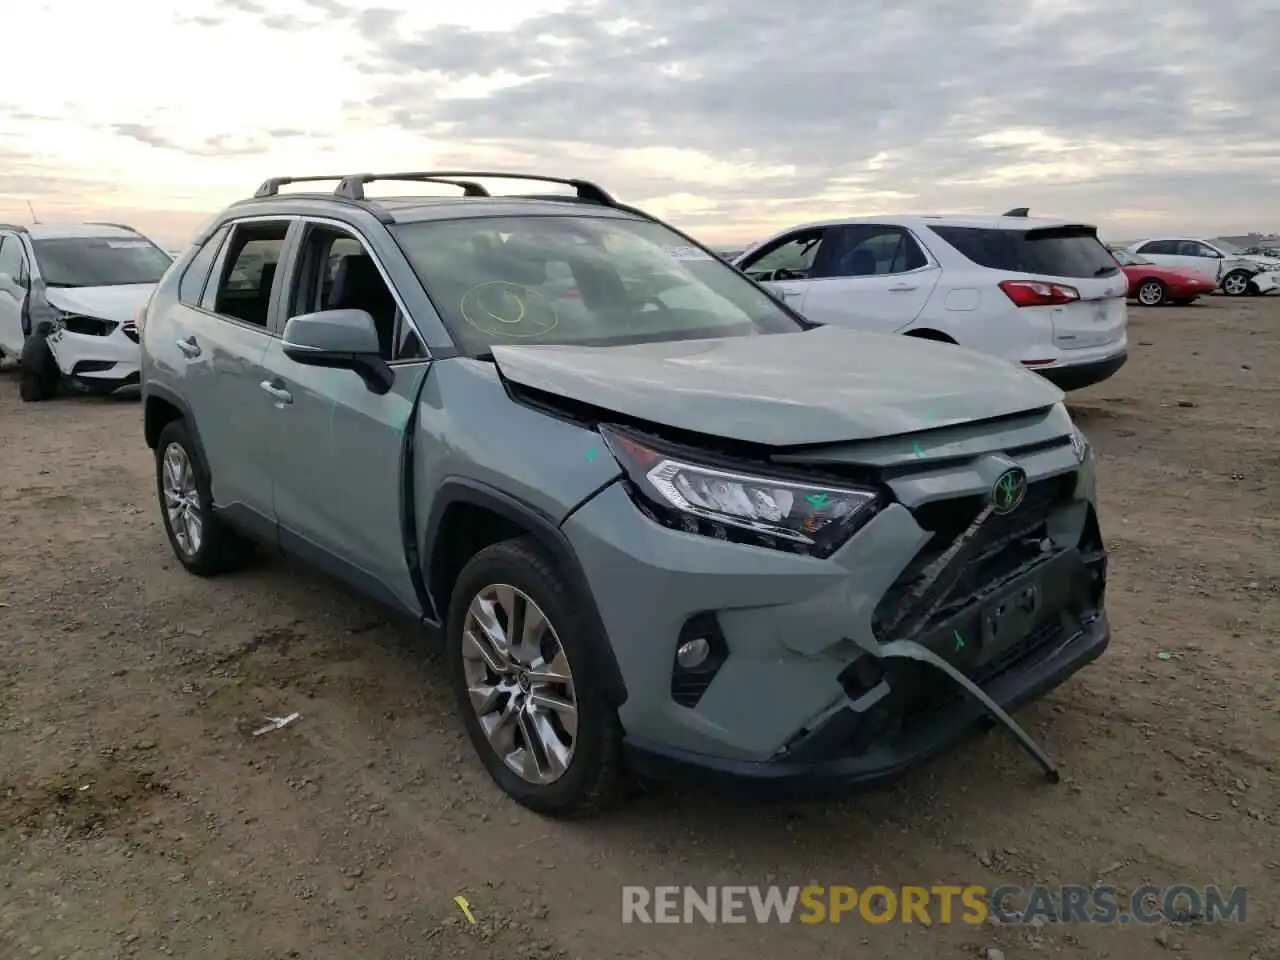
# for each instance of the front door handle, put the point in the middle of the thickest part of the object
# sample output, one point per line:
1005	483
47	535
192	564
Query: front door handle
280	394
902	287
190	349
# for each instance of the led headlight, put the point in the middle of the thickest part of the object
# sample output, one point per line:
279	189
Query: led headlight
79	323
728	504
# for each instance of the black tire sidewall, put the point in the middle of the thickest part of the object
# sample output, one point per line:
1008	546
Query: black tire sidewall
203	560
523	564
39	373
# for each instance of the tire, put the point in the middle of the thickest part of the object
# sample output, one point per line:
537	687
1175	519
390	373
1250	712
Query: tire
1152	293
217	548
593	779
1185	301
39	377
1237	283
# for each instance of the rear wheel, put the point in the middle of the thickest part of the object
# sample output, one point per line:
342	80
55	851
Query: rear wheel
1185	301
1152	293
40	376
1236	283
200	541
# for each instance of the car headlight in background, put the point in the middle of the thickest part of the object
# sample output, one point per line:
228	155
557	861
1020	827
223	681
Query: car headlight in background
1079	442
737	505
87	326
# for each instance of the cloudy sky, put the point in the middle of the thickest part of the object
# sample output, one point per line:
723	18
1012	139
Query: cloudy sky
731	118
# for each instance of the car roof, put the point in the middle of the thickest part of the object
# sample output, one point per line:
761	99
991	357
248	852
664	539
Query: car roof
425	208
920	221
66	231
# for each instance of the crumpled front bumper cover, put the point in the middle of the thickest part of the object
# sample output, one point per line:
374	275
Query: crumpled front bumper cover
832	776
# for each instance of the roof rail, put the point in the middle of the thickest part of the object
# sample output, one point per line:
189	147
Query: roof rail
271	187
15	227
352	186
1018	212
108	223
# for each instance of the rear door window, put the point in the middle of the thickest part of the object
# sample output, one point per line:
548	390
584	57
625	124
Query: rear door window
1074	252
196	276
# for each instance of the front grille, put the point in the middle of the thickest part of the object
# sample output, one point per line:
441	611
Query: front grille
1002	546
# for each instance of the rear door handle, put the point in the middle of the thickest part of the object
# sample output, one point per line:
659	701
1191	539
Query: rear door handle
274	388
190	349
902	287
788	292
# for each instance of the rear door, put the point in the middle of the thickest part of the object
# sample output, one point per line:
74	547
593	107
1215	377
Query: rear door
221	344
870	277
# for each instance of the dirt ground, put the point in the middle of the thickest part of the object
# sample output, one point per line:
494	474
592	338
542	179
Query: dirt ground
140	818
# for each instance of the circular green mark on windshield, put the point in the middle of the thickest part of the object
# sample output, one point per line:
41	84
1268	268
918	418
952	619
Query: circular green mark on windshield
501	309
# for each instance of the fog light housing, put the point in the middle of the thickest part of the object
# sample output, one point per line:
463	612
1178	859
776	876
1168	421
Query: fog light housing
699	654
693	653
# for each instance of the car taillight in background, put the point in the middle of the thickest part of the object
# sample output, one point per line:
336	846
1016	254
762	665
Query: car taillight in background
1039	293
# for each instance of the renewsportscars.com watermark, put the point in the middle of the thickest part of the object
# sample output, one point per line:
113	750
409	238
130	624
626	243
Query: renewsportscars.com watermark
936	904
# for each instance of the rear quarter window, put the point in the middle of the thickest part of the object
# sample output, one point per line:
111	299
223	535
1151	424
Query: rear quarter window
196	276
1053	251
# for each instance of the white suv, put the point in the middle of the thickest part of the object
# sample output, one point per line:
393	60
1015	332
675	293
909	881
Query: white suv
1043	293
69	295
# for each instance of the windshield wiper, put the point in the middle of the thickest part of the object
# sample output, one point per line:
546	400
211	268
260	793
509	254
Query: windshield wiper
61	284
1105	271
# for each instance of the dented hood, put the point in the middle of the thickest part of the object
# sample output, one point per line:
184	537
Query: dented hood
823	386
118	302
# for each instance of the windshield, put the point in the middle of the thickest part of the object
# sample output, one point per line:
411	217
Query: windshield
99	261
1230	249
583	280
1125	258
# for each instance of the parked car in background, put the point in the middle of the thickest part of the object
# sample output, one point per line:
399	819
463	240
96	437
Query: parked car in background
1236	272
1045	294
1151	284
665	526
69	295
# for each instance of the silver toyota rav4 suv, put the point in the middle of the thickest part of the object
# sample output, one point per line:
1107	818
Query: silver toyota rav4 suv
666	527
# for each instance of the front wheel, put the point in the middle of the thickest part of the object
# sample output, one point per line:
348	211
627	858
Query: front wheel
520	662
39	377
1236	283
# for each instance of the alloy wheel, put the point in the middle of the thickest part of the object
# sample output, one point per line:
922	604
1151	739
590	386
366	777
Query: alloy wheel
519	683
1235	284
1150	294
182	499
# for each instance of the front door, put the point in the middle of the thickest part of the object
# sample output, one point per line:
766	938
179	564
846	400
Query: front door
338	449
14	280
870	277
784	264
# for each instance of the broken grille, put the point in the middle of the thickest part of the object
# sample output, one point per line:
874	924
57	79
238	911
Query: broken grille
1003	547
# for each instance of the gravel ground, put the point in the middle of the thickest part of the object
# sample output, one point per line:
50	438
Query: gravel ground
140	818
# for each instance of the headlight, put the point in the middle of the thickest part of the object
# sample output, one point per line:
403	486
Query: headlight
1079	443
88	326
730	504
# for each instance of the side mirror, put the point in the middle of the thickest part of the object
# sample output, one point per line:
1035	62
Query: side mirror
340	340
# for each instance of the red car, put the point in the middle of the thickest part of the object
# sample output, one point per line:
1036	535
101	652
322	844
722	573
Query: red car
1151	284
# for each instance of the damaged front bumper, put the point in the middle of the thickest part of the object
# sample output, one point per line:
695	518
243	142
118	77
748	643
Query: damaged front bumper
1268	282
923	712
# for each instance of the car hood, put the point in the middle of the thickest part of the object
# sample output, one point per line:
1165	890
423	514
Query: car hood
120	303
825	385
1266	263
